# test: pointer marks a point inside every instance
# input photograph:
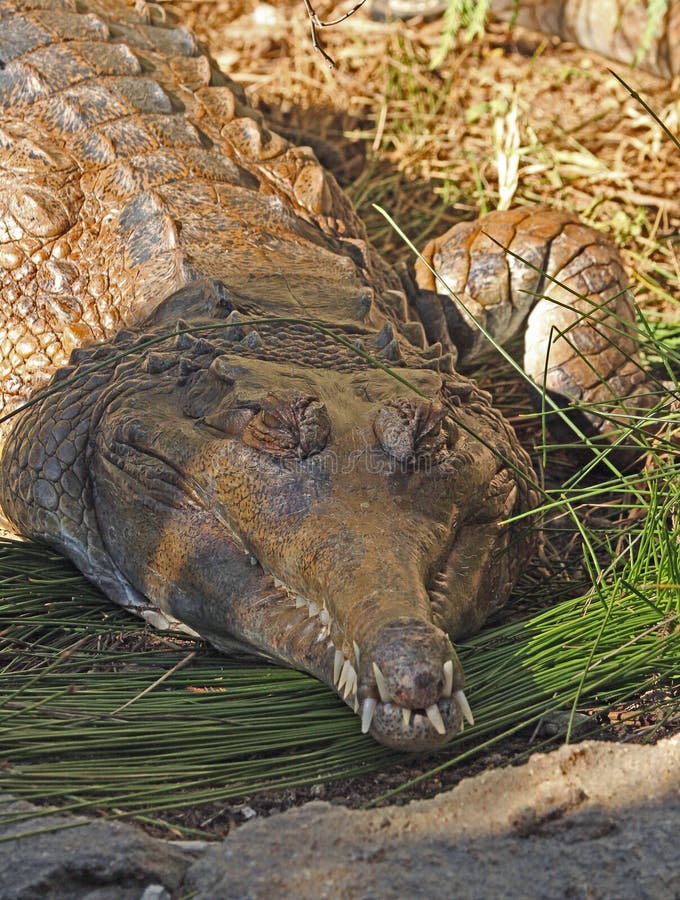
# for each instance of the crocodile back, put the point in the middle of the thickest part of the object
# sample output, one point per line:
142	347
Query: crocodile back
130	165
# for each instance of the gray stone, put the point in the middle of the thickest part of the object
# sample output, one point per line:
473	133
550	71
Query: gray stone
592	820
73	858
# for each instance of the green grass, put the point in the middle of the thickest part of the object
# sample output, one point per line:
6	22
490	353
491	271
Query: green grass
91	722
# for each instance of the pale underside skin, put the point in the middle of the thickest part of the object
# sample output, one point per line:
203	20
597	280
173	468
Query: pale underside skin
263	485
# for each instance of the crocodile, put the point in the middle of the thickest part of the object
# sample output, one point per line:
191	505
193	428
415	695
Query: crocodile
228	411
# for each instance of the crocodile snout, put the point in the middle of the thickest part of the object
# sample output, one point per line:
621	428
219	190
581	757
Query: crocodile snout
411	657
412	695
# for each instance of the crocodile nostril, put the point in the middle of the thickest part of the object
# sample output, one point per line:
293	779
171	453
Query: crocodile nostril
417	690
410	655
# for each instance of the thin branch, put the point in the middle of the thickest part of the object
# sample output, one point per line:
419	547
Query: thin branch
315	22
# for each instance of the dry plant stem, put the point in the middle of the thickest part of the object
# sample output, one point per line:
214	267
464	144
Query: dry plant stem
315	23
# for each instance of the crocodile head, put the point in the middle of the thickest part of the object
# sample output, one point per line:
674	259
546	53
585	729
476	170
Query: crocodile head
336	520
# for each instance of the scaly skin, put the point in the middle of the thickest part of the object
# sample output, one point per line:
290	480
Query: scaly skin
212	469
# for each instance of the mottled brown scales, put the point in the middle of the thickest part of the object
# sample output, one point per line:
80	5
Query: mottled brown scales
246	478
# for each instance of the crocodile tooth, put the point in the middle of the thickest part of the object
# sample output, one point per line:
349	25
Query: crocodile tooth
347	679
313	609
278	583
350	687
344	674
448	678
435	718
324	615
300	601
338	660
322	635
461	700
356	704
370	704
356	652
381	683
253	562
406	716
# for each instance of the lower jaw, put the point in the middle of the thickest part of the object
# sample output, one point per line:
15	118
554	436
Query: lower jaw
412	730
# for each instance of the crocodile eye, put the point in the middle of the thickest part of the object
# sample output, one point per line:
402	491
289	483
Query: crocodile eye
411	429
294	427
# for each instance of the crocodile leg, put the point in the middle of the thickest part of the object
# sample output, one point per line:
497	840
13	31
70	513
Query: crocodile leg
561	281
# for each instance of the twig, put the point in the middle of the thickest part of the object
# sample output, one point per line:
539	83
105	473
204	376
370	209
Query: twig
158	681
315	22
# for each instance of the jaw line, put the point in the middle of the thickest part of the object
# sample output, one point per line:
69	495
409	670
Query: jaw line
344	678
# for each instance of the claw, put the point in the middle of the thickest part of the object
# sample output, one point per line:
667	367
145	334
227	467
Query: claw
435	718
370	704
461	700
406	716
381	683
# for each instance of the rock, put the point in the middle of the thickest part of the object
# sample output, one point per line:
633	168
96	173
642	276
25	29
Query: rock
592	820
85	859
